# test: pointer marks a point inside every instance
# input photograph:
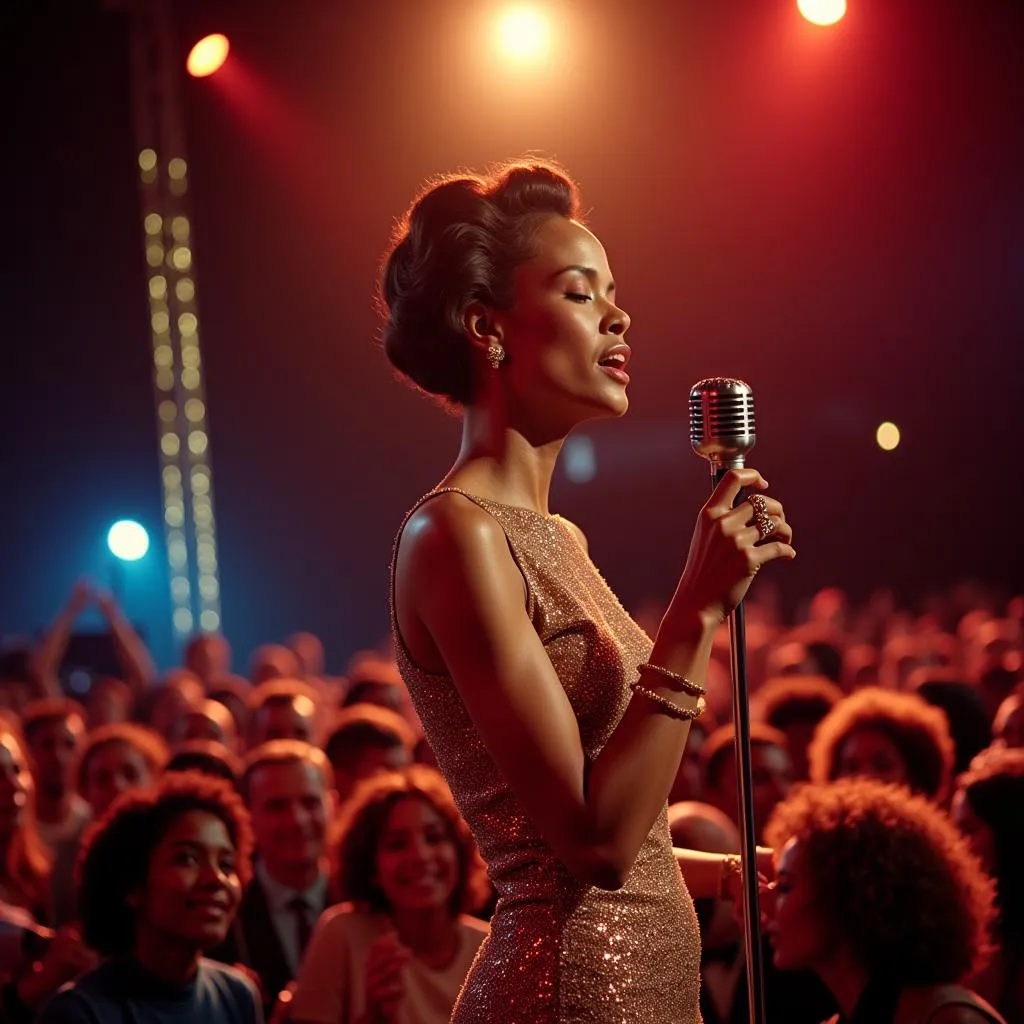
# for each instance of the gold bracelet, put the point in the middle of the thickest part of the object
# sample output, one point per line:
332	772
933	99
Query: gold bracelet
732	865
686	685
684	714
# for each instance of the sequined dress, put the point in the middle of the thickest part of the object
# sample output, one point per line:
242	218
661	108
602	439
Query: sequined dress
560	950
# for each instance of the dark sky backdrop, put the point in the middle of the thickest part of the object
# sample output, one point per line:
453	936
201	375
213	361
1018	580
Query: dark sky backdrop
835	215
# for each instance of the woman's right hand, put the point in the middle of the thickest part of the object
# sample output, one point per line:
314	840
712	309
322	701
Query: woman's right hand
385	981
727	551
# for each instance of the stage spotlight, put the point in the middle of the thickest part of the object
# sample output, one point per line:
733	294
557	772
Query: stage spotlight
822	12
887	436
127	540
523	33
208	55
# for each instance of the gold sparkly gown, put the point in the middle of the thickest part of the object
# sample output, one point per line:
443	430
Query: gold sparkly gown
560	950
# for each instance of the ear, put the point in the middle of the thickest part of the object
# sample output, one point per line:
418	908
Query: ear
481	328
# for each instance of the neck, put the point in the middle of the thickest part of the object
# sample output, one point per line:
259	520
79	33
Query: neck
166	958
500	462
52	808
430	934
295	875
846	981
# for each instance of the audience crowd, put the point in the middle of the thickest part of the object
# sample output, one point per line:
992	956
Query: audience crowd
277	845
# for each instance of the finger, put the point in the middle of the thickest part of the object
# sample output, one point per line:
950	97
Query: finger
732	483
773	551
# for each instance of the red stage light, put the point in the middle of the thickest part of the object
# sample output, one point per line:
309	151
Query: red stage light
822	12
208	55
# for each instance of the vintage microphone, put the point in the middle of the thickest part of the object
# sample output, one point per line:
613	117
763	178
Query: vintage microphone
722	431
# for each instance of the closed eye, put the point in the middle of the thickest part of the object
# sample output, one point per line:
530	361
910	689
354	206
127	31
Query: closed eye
577	297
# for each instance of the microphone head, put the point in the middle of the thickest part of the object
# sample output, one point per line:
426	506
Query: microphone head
722	421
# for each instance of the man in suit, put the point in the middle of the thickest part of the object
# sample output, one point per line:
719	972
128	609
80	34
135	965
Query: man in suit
288	787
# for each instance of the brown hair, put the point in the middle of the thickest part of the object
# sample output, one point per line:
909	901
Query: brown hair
460	242
892	875
919	730
364	819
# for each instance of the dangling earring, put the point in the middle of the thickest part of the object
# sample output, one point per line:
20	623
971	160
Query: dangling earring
495	354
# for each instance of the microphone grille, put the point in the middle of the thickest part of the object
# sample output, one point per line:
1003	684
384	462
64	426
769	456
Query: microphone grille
722	425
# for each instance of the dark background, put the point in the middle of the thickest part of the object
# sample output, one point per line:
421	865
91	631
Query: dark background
835	215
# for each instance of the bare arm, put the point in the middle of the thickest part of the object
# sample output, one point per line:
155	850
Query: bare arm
458	582
703	871
131	650
49	653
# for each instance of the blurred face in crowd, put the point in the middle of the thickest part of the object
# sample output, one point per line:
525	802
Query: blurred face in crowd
53	745
975	831
289	718
192	890
112	769
208	656
365	762
109	701
771	774
798	936
273	661
15	785
1008	727
180	693
417	857
290	807
871	754
211	720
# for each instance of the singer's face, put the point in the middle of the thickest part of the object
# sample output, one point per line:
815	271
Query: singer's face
560	330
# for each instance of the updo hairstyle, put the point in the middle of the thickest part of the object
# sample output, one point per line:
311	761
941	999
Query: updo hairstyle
460	243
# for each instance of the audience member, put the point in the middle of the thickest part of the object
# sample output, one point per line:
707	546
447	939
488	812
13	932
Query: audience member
795	705
161	877
112	760
969	726
886	735
54	729
163	706
288	787
365	740
208	758
208	656
399	949
208	720
233	692
771	771
880	896
988	808
281	709
109	700
273	661
24	859
1008	726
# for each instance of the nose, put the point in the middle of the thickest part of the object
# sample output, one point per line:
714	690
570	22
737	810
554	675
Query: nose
618	321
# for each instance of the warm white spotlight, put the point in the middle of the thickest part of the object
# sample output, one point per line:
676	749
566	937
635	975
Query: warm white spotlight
822	12
887	436
523	33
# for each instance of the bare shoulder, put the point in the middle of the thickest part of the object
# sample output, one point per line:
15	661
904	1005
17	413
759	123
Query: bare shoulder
577	533
446	527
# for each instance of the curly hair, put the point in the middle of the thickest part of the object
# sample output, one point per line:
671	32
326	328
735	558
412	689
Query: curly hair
146	742
993	787
460	242
363	821
919	730
787	700
116	850
890	873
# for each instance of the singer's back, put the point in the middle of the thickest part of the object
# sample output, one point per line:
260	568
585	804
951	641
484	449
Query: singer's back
560	950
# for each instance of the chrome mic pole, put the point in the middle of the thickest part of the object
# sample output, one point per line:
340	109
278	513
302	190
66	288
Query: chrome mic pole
722	431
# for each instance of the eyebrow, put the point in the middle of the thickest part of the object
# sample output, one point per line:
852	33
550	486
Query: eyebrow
191	844
587	271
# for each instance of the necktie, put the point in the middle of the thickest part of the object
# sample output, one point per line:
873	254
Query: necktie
303	923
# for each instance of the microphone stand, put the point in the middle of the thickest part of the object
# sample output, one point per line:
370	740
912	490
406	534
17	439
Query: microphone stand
744	774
